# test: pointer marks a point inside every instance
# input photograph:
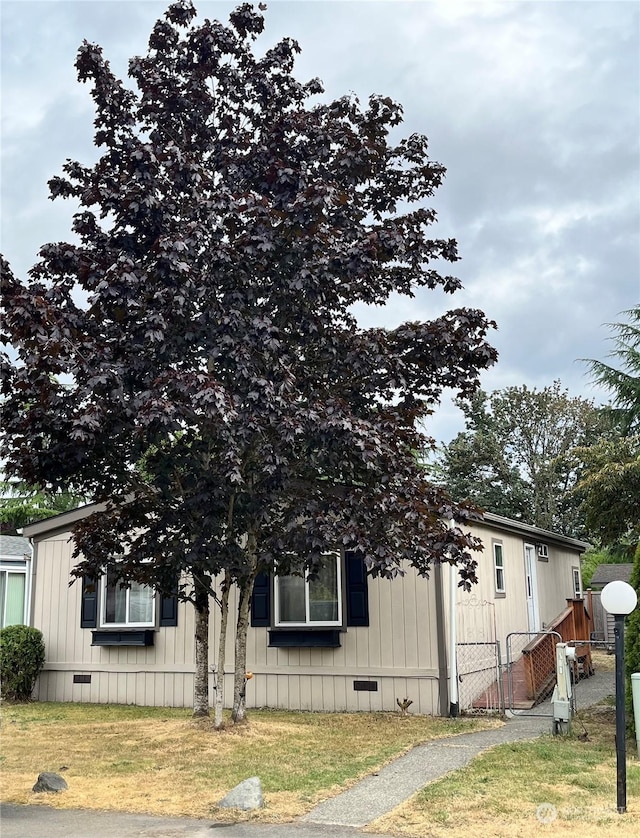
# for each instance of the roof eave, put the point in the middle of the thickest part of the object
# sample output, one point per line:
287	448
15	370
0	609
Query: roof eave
536	533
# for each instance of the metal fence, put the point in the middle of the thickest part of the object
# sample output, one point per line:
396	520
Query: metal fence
523	681
531	669
479	674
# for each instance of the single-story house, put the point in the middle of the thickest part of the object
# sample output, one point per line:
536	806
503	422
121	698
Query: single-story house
341	642
15	579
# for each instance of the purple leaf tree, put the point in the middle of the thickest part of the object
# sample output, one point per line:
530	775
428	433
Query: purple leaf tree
215	391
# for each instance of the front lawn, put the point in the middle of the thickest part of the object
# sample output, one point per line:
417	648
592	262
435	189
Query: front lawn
561	786
160	761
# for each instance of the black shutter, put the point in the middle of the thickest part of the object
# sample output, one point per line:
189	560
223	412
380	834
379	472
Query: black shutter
89	603
168	610
357	590
261	601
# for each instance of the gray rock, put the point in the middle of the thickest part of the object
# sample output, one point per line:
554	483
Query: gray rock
246	795
48	781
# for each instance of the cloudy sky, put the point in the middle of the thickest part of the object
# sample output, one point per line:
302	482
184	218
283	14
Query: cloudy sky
533	107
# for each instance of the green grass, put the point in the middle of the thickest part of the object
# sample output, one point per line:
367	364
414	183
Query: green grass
506	785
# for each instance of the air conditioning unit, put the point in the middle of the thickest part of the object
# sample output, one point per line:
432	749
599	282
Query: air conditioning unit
543	551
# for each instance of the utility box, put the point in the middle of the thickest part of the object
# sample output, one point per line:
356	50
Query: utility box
561	707
562	699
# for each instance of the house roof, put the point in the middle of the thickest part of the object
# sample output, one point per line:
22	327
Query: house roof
606	573
14	547
65	521
62	522
536	534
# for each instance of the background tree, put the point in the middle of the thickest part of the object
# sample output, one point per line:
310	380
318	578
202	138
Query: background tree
514	458
632	641
225	404
477	465
623	378
610	484
609	489
21	504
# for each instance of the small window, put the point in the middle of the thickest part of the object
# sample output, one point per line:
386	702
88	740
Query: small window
577	583
498	567
13	585
309	602
132	605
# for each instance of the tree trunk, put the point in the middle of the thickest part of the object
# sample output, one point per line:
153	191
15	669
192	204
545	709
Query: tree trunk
201	681
239	711
218	721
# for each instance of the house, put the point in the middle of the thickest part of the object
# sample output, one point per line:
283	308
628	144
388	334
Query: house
15	579
341	642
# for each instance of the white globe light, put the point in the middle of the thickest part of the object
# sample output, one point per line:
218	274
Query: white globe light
618	598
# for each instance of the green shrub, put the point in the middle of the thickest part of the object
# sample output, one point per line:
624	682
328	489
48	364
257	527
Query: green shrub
21	659
632	641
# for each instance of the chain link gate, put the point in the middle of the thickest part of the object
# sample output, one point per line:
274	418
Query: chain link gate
531	669
479	677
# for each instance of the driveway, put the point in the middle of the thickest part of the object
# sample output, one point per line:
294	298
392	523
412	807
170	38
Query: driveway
44	822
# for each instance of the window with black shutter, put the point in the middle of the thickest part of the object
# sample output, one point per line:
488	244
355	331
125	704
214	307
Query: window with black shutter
167	604
356	603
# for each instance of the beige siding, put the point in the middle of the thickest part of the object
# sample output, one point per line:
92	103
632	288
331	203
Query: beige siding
555	581
397	651
400	641
484	615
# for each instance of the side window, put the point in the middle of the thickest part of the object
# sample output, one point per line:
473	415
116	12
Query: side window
577	582
498	568
13	586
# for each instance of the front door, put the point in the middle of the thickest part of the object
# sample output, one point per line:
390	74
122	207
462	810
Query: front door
531	582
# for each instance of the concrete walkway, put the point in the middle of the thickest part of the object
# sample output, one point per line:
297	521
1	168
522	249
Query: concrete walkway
378	794
340	817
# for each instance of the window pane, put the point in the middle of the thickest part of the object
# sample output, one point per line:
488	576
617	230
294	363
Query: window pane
498	554
3	582
140	603
291	607
14	605
116	603
323	594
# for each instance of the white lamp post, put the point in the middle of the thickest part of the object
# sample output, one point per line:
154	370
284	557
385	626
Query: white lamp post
619	599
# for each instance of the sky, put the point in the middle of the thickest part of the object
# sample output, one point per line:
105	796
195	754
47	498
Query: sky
533	106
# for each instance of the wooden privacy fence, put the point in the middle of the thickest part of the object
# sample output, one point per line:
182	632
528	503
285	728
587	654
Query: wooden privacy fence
573	625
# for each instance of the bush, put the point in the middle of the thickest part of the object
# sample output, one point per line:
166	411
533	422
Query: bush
632	641
21	659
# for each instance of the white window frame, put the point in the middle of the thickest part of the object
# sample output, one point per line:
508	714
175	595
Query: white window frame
127	623
8	566
310	623
577	588
498	567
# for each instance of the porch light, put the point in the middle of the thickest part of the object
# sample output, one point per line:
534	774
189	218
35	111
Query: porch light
619	599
